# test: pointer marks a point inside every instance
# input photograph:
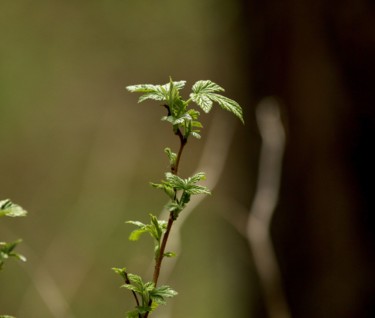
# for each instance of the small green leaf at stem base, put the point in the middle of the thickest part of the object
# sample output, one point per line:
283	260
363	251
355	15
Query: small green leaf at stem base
169	254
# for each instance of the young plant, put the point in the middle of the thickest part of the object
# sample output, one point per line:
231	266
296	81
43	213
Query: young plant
7	208
185	124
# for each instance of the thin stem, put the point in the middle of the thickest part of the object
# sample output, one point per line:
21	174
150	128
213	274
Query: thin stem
127	281
162	249
183	141
174	170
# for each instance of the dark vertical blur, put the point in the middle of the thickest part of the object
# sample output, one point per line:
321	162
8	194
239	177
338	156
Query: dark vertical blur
317	57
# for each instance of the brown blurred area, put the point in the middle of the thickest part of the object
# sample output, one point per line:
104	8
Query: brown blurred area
77	152
318	58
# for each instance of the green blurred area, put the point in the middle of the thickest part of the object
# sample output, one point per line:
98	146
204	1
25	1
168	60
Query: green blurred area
77	152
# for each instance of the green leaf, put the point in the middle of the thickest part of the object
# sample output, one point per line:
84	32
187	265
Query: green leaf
135	235
155	92
201	91
159	294
6	316
175	207
6	251
132	288
197	189
206	86
132	314
156	228
188	184
171	156
152	92
169	254
8	208
205	93
195	134
120	271
174	181
228	104
197	177
136	284
168	189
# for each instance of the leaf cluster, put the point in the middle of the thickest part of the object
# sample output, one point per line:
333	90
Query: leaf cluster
180	190
185	123
8	208
7	251
149	295
156	228
204	94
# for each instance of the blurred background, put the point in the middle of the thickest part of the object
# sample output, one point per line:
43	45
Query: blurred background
78	152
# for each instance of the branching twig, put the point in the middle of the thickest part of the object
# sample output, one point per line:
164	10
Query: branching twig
185	123
214	156
171	219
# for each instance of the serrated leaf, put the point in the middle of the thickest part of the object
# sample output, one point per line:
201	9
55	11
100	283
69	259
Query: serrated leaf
199	176
158	96
174	181
188	185
204	94
8	208
197	189
203	101
177	84
159	294
206	86
142	88
201	91
132	288
149	286
135	278
155	92
228	104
